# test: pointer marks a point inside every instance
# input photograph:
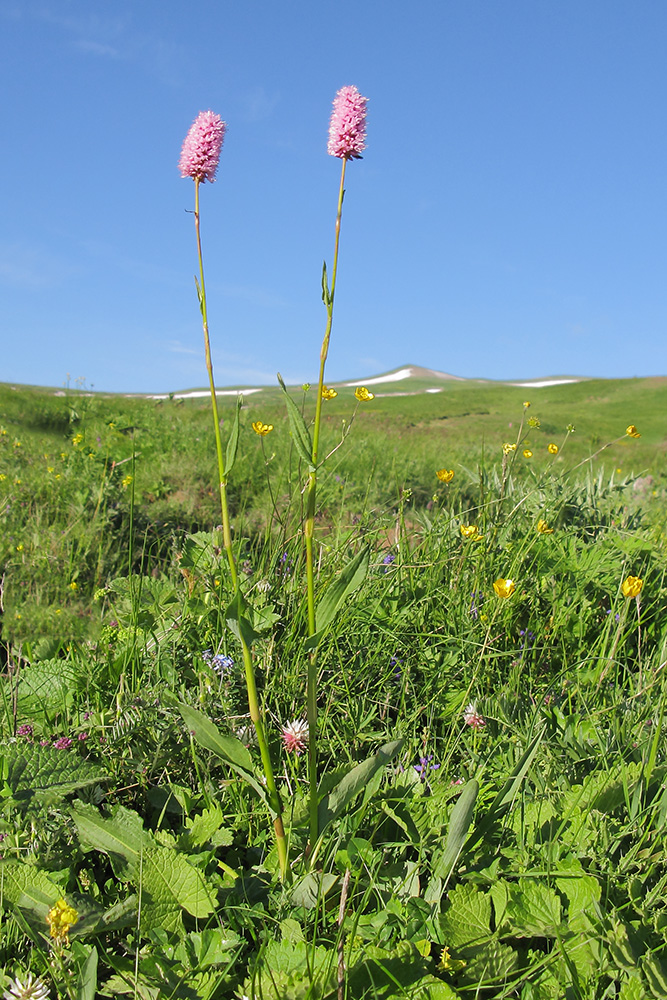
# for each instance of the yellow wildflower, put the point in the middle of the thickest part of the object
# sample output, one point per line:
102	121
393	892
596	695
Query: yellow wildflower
470	531
2	476
17	482
73	585
262	429
363	395
328	393
17	444
552	449
504	588
632	431
126	481
508	448
447	963
527	453
60	918
19	547
77	439
445	475
63	455
544	528
526	405
50	468
632	586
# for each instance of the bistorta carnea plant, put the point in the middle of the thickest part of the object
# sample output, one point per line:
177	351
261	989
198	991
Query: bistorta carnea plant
347	141
200	156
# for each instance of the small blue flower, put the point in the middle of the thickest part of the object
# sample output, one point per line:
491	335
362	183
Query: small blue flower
220	662
425	765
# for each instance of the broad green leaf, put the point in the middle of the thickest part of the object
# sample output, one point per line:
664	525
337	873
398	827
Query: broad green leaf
29	888
227	748
467	920
348	580
333	804
459	824
168	876
203	826
44	688
121	834
489	964
233	442
533	910
311	889
298	430
33	770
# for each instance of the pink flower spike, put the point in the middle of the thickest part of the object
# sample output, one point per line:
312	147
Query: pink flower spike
295	736
201	150
471	717
347	129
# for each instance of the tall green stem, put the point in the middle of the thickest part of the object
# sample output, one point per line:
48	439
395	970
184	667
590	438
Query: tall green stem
309	525
251	685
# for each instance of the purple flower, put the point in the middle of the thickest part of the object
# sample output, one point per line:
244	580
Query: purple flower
425	765
347	129
218	661
64	743
476	603
24	730
201	149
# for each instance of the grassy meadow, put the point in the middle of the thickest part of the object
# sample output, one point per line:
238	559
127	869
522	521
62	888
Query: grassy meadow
493	777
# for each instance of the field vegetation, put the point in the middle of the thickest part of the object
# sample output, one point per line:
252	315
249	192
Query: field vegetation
491	653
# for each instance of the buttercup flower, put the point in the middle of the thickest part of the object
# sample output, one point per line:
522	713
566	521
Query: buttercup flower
472	717
31	988
552	449
295	736
544	528
201	149
470	531
347	129
508	448
328	393
445	475
262	429
527	453
504	588
60	918
363	395
526	405
632	431
632	586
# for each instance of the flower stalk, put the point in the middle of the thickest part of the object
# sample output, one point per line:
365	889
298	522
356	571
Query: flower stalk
199	159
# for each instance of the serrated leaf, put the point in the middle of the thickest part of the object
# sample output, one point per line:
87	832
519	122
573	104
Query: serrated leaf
467	920
348	580
533	910
121	834
33	769
333	804
233	442
203	826
298	429
44	688
168	877
490	963
28	887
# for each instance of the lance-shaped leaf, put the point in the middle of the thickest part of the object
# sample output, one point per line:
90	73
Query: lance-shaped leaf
354	782
86	988
459	824
326	295
237	621
505	797
298	430
227	748
348	580
233	442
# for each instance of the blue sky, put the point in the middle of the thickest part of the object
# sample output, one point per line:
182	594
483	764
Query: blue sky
507	220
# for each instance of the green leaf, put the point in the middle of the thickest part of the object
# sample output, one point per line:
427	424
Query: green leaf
170	879
348	580
298	430
237	622
333	804
122	834
227	748
326	296
29	888
202	827
35	770
233	442
467	920
533	910
459	824
86	988
505	797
